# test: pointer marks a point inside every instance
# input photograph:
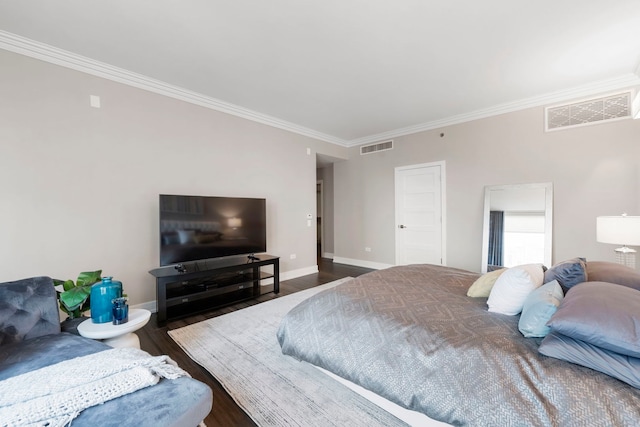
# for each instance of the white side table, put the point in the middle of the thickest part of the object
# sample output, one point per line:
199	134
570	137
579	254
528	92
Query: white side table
117	336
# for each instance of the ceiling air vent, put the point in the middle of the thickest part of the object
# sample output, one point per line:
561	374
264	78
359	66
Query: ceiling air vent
376	148
597	110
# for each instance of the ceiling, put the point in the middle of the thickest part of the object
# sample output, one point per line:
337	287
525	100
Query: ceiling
345	71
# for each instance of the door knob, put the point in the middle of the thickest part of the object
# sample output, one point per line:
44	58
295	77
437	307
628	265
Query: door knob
402	226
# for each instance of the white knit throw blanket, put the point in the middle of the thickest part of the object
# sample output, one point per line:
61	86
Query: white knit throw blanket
54	395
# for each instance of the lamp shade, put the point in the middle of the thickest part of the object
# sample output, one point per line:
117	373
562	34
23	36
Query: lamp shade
618	230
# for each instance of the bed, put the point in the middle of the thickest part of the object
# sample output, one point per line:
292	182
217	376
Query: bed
411	335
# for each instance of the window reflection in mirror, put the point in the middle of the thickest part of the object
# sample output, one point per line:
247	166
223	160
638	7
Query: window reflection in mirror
517	225
523	238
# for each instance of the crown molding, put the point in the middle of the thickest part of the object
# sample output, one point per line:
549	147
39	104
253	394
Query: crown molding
31	48
618	83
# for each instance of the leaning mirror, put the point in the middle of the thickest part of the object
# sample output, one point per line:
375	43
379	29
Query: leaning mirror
517	225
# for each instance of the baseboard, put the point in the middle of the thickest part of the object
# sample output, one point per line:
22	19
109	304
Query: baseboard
287	275
293	274
327	255
361	263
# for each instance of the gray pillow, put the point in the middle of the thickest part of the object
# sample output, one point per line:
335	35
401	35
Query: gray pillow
625	368
601	271
538	308
568	273
602	314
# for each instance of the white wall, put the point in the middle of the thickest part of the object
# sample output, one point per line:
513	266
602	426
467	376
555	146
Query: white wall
80	185
595	170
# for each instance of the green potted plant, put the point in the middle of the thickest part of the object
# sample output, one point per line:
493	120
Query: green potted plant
74	297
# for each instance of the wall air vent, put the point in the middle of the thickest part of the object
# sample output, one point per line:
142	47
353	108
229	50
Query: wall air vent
597	110
376	148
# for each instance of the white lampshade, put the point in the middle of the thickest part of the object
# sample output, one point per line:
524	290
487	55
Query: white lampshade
618	230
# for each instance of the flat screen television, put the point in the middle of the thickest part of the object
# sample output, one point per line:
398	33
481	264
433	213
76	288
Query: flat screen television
202	227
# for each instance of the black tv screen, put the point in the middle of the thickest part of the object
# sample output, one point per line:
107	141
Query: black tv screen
201	227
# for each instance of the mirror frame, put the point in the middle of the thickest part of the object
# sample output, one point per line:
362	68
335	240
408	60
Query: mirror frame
548	215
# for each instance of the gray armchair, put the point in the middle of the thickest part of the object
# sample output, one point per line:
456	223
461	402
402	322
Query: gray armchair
30	338
28	309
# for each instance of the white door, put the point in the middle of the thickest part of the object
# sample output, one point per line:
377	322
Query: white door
420	214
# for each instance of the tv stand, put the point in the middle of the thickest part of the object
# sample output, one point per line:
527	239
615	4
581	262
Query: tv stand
190	288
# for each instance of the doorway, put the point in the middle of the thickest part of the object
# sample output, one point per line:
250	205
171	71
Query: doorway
420	214
319	216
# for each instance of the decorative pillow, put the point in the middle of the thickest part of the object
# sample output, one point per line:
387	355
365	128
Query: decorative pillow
512	288
601	271
538	309
603	314
482	286
568	273
620	366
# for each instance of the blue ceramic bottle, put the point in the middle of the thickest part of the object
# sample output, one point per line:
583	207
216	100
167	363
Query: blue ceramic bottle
120	311
102	295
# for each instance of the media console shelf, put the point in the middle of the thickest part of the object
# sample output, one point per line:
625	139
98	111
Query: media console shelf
202	285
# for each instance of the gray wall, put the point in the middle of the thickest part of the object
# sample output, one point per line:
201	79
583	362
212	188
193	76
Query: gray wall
595	170
80	185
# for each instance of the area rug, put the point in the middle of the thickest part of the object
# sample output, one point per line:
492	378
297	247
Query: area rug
241	351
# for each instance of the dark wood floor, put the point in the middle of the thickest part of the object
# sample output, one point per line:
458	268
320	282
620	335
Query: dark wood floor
225	412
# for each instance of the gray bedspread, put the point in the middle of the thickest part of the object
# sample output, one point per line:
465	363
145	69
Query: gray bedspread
411	335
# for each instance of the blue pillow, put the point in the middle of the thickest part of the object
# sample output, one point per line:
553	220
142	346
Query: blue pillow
623	367
568	273
538	308
603	314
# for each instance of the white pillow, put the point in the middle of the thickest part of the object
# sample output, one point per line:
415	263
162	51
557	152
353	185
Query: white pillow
512	288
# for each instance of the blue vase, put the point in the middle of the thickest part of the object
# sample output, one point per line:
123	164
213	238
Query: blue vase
102	293
120	311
